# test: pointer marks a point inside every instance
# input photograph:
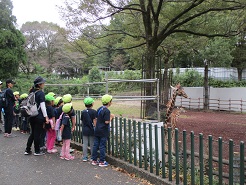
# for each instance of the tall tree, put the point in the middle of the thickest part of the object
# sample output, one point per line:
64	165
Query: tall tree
239	54
12	41
150	23
46	46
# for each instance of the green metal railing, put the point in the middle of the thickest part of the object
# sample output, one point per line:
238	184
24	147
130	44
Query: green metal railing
145	145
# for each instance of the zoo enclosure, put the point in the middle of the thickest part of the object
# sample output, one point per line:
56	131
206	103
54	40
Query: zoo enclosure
193	160
142	98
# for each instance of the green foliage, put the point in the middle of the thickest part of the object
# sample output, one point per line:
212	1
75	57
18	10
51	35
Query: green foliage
190	78
125	86
11	42
229	83
95	76
23	85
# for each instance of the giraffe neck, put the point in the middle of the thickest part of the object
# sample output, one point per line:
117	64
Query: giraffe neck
170	108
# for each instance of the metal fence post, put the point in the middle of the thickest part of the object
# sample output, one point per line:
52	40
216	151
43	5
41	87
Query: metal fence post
220	161
236	168
242	165
201	159
231	161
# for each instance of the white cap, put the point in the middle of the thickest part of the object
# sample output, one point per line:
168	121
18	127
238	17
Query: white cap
1	82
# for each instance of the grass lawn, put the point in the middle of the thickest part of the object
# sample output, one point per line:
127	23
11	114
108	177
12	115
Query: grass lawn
126	109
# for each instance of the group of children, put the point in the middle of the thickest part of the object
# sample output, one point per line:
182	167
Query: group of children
62	120
96	129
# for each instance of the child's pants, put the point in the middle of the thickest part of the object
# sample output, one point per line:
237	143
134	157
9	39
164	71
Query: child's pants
85	144
99	142
16	121
65	148
51	137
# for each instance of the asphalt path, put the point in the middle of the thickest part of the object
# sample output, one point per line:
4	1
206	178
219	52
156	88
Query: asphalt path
17	168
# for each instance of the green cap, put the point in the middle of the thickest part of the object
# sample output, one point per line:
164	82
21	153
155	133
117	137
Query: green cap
23	96
56	101
67	107
52	94
49	98
67	98
16	92
106	98
88	100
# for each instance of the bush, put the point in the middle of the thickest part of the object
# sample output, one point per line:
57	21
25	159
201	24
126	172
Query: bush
190	78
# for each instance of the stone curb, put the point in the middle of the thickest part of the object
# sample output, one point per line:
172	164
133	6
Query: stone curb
130	168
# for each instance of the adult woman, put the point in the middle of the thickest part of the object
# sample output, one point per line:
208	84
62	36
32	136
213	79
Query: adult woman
8	110
37	121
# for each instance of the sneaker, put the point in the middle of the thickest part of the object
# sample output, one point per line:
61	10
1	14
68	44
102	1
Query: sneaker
61	157
103	164
94	163
28	153
52	151
17	129
5	134
71	150
39	153
14	129
69	158
85	159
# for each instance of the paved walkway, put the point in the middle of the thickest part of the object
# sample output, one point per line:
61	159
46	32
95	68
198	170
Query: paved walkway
16	168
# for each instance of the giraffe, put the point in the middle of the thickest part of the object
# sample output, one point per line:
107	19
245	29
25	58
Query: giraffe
171	115
173	120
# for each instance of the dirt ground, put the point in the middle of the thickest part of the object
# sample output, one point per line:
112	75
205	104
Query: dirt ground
218	124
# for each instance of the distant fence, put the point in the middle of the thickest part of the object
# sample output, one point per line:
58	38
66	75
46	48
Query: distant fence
229	99
220	73
214	104
193	160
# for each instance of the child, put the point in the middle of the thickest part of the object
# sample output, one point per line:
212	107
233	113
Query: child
66	131
88	118
16	121
50	127
58	102
102	131
24	125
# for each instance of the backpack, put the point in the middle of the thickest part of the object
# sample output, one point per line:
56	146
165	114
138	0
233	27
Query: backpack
28	107
3	99
57	127
58	122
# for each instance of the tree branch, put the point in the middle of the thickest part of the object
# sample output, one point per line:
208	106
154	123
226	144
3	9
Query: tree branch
162	34
119	49
204	34
127	7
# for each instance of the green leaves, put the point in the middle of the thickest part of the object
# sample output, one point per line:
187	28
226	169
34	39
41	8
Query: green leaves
11	42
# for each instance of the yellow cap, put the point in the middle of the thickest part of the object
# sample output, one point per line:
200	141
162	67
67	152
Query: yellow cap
67	98
106	98
23	96
67	107
16	93
56	101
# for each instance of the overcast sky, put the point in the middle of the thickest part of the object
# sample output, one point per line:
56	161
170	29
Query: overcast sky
37	10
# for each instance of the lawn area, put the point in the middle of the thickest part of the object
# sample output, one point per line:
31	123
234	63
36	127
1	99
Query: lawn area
126	109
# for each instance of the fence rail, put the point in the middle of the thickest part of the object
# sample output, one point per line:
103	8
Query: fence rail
214	104
191	162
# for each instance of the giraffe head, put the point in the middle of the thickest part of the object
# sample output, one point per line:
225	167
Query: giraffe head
179	90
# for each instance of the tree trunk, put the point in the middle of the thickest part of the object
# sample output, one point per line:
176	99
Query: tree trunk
206	93
239	74
150	88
